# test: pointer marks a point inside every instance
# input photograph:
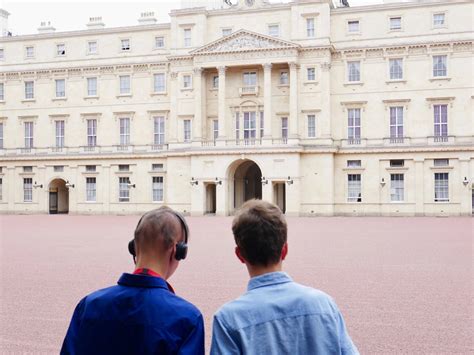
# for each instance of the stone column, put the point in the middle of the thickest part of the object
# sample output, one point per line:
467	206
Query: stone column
465	190
293	124
222	104
267	102
419	188
173	117
197	122
326	100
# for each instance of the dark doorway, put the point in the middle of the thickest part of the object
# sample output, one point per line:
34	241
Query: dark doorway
210	198
53	202
58	197
279	195
247	183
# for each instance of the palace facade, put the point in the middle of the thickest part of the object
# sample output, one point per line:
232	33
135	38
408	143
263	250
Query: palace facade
324	110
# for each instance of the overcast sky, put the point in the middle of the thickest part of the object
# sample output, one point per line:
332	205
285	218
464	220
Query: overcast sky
66	15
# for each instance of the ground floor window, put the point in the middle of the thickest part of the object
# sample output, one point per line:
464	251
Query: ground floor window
27	189
1	190
354	188
441	187
397	187
157	187
91	193
124	189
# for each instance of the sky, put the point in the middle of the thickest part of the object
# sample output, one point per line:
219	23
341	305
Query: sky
67	15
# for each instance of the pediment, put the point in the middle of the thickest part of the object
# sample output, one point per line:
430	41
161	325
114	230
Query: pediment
244	41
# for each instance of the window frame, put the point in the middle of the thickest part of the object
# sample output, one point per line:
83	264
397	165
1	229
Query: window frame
29	94
123	87
311	125
29	134
394	72
58	50
2	91
159	130
187	130
91	189
311	74
397	187
187	40
353	32
28	189
157	42
273	25
158	191
124	189
310	27
59	133
58	93
32	56
187	84
351	74
441	187
440	72
155	76
88	48
125	48
443	25
354	127
390	24
395	123
88	81
354	190
438	126
91	132
124	131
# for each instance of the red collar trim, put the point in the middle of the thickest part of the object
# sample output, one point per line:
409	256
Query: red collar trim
149	272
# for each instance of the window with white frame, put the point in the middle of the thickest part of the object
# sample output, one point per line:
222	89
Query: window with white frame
237	126
1	135
250	79
59	130
187	37
354	188
58	168
353	125
158	130
91	132
397	187
187	130
157	167
353	71
60	87
354	163
187	83
159	84
395	23
157	188
61	49
396	68
274	30
441	162
440	68
125	45
2	54
215	81
215	129
28	169
440	120
284	128
124	167
124	189
311	74
311	126
28	134
29	90
396	122
92	47
397	163
226	31
30	52
91	189
262	124
353	26
283	78
91	168
2	92
439	20
310	27
1	189
441	193
124	84
27	190
124	131
250	125
91	86
159	42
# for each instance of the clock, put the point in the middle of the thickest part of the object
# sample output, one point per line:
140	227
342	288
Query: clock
249	2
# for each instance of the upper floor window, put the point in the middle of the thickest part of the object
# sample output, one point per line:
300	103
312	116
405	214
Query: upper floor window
30	52
2	54
187	130
159	130
284	128
274	30
440	120
284	78
159	82
1	135
125	45
59	127
91	86
215	129
439	20
441	162
311	74
91	133
353	125
395	23
124	84
440	65
250	78
187	83
354	163
28	134
29	90
353	26
215	81
157	167
61	49
397	163
60	88
124	167
91	168
311	126
2	93
310	27
226	31
187	37
396	122
353	71
159	42
125	131
396	69
92	47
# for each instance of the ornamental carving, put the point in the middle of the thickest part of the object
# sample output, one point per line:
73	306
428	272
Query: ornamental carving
463	47
374	53
417	49
396	50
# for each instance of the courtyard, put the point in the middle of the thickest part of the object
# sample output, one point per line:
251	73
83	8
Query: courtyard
404	285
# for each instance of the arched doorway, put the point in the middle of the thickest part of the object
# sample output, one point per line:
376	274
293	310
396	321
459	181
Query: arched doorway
247	183
58	197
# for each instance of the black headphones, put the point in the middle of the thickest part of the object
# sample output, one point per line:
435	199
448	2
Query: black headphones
181	247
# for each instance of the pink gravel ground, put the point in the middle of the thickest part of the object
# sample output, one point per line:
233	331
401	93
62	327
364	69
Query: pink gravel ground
404	285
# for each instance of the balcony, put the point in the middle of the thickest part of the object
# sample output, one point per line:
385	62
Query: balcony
397	140
90	149
249	90
244	142
123	148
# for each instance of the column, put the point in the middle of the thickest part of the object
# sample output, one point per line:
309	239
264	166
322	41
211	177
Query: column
326	100
419	187
197	122
222	104
465	190
293	124
267	103
173	117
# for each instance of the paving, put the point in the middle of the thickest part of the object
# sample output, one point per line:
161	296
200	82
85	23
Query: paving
404	285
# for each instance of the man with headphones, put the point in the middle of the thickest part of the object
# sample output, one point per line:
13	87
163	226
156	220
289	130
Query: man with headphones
142	315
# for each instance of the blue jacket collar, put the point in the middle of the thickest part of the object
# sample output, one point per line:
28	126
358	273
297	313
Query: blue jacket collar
142	281
268	279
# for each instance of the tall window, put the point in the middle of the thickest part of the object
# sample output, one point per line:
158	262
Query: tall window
1	189
441	187
311	126
250	126
310	27
2	54
396	68
159	42
440	120
59	134
159	130
439	65
157	187
237	126
311	74
395	23
29	90
125	131
91	189
30	52
2	92
125	45
274	30
1	135
396	122
27	189
124	84
353	26
187	130
92	47
353	71
91	133
28	134
284	78
187	84
215	129
354	188
262	124
187	37
91	86
215	82
397	187
284	129
353	125
61	49
439	20
250	78
124	189
60	88
159	82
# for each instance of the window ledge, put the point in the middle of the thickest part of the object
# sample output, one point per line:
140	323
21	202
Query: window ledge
214	89
90	173
28	100
361	169
358	33
161	93
393	168
186	89
91	97
2	101
59	99
441	167
396	81
124	95
440	78
349	83
283	85
311	82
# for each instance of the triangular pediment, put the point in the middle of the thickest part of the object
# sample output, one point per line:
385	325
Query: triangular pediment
244	41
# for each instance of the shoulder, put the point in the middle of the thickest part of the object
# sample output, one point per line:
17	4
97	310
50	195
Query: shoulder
314	296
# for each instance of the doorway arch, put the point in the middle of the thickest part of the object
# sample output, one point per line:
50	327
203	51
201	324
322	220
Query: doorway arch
247	182
58	197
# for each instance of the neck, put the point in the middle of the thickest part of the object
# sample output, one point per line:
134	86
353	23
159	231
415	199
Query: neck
152	264
257	270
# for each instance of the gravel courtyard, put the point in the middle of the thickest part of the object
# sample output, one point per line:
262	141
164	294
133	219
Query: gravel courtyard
404	285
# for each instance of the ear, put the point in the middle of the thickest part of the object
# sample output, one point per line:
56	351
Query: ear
173	253
239	255
284	251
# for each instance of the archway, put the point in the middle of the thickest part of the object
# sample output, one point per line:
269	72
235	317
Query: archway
58	197
247	183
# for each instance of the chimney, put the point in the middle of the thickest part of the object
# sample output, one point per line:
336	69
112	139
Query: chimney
45	27
95	23
147	18
4	23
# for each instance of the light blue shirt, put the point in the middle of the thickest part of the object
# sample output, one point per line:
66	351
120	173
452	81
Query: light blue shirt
279	316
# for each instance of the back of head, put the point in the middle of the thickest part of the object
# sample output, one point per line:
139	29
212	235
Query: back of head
260	231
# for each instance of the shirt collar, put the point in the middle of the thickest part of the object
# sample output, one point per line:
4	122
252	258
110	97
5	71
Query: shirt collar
140	280
271	278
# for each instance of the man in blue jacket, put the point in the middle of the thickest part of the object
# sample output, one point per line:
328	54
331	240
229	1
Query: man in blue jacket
141	315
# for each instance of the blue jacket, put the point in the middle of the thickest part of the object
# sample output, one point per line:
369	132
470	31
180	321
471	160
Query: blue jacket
138	316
